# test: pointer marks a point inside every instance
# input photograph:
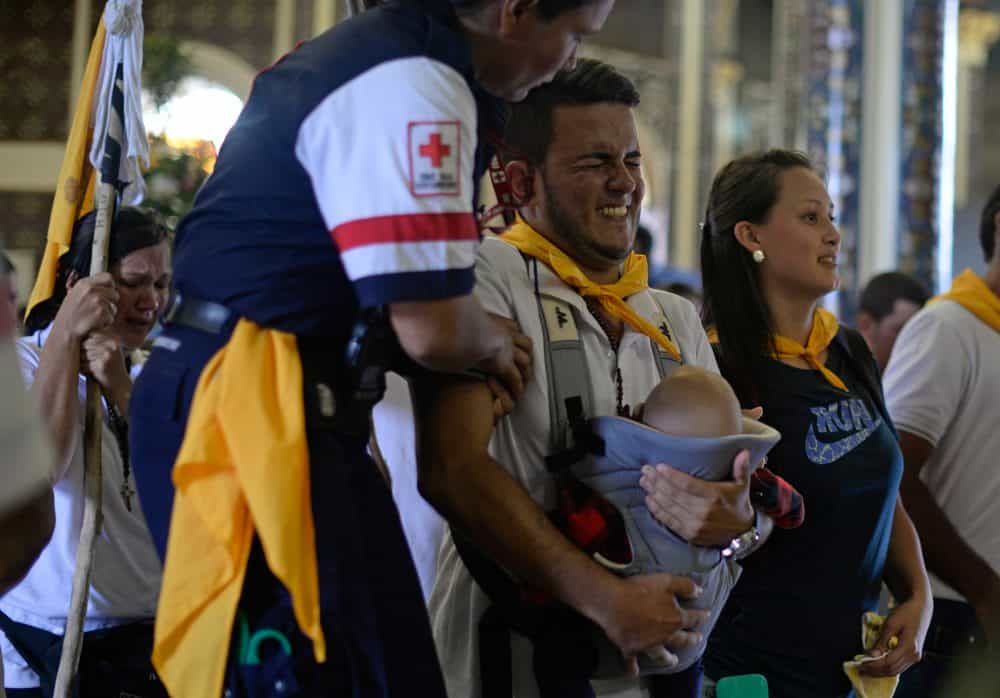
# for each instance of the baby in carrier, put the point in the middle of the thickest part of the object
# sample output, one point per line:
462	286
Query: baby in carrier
692	421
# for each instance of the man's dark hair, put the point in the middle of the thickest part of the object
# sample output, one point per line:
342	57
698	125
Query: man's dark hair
643	240
880	295
988	226
529	127
133	229
6	266
547	9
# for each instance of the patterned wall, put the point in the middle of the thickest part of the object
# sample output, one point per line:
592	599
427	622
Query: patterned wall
833	129
921	137
24	214
35	44
245	27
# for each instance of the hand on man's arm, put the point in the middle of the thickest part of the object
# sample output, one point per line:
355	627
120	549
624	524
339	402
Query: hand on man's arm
478	497
456	334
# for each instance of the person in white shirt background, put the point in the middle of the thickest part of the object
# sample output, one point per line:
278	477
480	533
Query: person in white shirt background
87	327
941	386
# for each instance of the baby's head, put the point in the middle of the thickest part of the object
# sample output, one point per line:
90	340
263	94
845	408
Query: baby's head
693	402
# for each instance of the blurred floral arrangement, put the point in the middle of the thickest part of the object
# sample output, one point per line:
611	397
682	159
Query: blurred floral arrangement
176	172
164	65
177	168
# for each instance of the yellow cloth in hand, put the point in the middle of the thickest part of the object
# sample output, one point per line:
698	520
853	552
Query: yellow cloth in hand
824	329
634	278
972	293
244	464
871	686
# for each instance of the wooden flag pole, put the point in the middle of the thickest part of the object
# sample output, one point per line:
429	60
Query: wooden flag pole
69	660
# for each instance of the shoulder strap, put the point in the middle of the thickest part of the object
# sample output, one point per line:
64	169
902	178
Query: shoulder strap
571	399
863	364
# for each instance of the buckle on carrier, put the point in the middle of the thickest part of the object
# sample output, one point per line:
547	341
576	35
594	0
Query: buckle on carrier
206	316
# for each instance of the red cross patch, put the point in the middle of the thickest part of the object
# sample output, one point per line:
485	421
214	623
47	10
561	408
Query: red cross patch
435	154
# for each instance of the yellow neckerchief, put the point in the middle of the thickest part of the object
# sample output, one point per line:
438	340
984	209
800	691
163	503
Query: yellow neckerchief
972	293
824	329
243	465
635	278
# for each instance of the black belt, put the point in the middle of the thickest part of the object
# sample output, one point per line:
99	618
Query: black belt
206	316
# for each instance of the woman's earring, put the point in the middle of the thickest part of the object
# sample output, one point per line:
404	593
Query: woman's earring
758	256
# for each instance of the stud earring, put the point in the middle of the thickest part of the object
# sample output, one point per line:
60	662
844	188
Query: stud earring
758	256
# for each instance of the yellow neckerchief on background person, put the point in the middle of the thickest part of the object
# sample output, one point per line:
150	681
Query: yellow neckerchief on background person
243	465
634	278
824	329
972	293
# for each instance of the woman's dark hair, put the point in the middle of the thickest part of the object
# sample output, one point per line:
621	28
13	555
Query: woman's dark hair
744	190
133	229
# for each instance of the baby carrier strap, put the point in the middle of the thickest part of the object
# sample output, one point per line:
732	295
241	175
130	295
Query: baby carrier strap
571	398
571	401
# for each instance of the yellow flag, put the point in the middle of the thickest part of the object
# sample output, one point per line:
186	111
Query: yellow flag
74	196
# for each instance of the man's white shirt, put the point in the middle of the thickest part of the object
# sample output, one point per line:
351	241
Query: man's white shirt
943	385
505	285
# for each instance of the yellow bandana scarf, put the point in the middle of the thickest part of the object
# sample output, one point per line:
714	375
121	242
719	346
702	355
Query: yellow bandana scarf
824	329
972	293
611	296
243	466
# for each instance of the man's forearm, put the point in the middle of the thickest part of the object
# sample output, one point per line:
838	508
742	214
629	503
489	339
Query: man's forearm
489	506
948	556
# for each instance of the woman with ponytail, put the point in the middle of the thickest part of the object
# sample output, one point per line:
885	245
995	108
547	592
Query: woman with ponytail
769	253
87	328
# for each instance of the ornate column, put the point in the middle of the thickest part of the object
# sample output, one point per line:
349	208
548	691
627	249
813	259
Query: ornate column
789	39
284	28
883	37
688	160
833	124
928	108
978	30
325	15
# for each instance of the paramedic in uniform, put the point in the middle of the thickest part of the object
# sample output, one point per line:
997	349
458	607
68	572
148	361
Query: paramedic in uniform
347	184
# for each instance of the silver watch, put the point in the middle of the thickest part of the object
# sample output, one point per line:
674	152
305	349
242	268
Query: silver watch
743	544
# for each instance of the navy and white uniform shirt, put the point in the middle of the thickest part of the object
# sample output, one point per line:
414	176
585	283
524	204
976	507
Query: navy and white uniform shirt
349	179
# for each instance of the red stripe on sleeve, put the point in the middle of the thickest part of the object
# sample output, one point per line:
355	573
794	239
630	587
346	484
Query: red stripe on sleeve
414	227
